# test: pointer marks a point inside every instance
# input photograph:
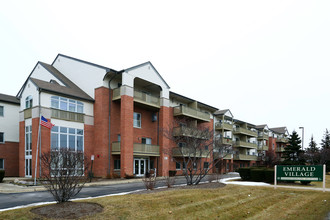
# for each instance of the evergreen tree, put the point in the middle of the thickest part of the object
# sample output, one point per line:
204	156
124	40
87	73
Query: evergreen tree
312	154
325	142
292	152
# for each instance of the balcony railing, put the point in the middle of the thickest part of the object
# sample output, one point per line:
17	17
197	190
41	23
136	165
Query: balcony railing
138	149
227	141
190	112
280	149
223	126
245	144
245	132
245	157
217	155
27	113
263	147
189	152
139	97
190	132
263	136
68	116
281	140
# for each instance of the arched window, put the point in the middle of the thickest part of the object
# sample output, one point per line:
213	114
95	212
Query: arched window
28	102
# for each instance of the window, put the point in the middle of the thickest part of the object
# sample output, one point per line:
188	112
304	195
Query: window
67	104
146	140
28	140
2	164
184	165
1	111
28	102
177	165
194	166
206	147
206	165
182	144
118	138
137	120
117	165
70	138
2	137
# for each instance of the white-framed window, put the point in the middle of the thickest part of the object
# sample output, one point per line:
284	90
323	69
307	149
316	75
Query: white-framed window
70	138
2	164
136	120
28	102
66	104
28	140
146	140
2	111
2	137
177	165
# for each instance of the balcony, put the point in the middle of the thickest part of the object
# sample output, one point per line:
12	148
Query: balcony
27	113
223	126
263	147
189	152
281	140
138	149
190	112
217	155
262	136
245	157
190	132
245	144
68	116
245	131
139	97
279	149
227	141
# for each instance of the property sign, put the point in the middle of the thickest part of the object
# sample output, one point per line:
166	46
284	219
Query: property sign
299	173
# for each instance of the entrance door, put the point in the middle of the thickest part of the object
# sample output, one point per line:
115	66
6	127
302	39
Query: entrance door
28	167
140	166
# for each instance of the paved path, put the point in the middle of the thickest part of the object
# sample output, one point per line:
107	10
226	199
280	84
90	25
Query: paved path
19	198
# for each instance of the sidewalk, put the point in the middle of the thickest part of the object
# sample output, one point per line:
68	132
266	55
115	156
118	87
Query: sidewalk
7	185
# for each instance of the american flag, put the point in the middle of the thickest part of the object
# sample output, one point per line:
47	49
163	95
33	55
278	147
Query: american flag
44	122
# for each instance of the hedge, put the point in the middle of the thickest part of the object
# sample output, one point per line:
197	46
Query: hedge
258	175
269	175
245	173
2	175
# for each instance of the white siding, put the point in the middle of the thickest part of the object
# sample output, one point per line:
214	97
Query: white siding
85	76
30	89
41	73
68	124
9	123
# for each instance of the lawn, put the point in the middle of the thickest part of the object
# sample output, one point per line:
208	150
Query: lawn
230	202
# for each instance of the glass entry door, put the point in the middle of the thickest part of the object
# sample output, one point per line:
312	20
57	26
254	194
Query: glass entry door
140	166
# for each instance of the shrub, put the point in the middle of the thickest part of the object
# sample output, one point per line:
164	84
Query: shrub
269	175
257	175
149	181
128	176
2	175
245	173
172	172
169	180
305	182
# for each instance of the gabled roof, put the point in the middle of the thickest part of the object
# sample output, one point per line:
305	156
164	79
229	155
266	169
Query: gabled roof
83	61
280	130
70	89
261	126
9	99
222	112
147	63
243	122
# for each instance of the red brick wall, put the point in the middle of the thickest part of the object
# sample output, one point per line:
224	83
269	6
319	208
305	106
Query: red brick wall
148	128
9	152
21	149
89	145
127	136
101	131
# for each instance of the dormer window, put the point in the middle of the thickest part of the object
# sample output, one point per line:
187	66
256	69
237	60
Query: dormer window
28	102
66	104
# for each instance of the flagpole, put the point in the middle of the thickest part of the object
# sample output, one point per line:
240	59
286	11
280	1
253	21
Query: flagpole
35	168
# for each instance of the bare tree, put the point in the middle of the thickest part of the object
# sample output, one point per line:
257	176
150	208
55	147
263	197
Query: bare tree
65	173
196	148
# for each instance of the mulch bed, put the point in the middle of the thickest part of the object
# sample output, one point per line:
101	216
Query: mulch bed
68	210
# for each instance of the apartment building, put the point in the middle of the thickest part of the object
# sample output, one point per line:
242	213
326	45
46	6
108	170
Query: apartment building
9	138
277	141
121	118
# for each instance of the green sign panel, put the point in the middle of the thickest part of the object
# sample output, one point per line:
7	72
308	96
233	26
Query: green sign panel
299	173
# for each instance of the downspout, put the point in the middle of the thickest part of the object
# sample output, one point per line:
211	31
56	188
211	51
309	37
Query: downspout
109	146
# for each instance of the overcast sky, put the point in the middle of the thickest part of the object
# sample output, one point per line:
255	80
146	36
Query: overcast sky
267	61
